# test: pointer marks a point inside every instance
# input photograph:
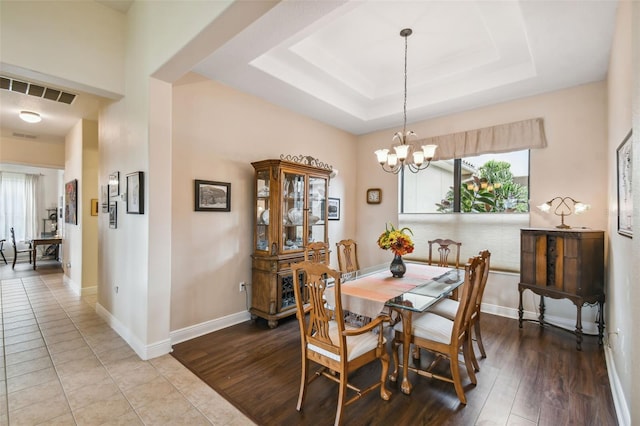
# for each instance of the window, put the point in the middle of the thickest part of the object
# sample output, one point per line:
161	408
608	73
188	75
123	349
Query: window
18	205
487	183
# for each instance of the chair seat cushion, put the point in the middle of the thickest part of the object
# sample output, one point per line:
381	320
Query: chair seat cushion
356	345
430	326
446	308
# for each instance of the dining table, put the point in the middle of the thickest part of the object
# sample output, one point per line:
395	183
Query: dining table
46	241
368	291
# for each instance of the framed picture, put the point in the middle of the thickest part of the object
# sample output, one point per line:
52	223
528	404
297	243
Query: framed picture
71	202
333	209
625	200
114	186
104	195
212	196
135	193
94	207
113	215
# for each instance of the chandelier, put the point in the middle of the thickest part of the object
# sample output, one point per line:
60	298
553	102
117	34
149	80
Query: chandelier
405	153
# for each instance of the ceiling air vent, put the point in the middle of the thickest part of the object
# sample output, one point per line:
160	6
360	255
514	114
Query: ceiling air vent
24	135
36	90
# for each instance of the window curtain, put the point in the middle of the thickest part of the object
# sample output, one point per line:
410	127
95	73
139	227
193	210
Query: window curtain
516	136
19	205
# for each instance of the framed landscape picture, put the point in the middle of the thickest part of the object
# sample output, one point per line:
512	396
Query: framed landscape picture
625	200
212	196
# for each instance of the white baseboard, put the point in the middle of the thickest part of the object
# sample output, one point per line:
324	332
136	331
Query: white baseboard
562	322
89	291
620	403
145	352
201	329
77	288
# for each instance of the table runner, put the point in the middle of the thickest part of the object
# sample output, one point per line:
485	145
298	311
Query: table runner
367	295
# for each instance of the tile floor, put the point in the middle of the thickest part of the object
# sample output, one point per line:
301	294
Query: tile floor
62	365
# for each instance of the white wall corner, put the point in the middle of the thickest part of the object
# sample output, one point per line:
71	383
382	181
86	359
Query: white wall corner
145	352
89	291
77	288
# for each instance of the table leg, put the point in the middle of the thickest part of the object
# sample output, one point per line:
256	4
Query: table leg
541	317
600	322
406	346
579	326
520	309
35	255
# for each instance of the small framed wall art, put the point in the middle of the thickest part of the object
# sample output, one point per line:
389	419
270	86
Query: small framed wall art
135	193
94	207
212	196
113	215
625	200
333	208
114	186
71	202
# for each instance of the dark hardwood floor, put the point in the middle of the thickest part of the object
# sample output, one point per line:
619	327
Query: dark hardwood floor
531	376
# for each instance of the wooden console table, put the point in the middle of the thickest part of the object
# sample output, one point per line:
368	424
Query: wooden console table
563	263
42	242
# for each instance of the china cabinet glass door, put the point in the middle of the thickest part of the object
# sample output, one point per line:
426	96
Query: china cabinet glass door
293	196
262	210
317	217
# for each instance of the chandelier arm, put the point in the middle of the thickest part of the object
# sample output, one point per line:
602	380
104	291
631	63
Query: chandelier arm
395	170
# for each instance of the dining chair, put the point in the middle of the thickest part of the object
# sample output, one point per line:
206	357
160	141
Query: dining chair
447	308
347	255
17	251
325	339
317	252
2	250
444	249
444	337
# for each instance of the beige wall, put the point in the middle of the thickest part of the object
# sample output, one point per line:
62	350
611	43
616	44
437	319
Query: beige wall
89	186
72	234
32	152
79	44
575	125
217	133
622	296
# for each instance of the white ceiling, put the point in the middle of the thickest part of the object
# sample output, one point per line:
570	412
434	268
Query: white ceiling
341	62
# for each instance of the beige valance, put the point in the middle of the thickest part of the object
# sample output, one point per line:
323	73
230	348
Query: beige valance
516	136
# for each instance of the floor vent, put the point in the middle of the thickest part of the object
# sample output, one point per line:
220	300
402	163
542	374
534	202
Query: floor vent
37	90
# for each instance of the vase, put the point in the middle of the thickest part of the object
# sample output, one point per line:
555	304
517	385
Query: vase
397	268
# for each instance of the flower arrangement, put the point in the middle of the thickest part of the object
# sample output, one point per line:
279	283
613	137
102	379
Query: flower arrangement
396	240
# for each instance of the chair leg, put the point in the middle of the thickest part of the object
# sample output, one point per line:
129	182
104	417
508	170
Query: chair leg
342	394
467	352
455	375
395	346
479	337
15	258
303	383
474	360
3	258
384	392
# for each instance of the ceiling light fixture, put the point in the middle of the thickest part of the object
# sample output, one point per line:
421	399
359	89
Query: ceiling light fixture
405	154
30	117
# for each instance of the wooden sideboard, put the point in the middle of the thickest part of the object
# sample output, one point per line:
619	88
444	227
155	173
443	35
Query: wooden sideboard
563	264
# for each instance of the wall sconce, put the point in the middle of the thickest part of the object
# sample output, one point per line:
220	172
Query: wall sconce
563	209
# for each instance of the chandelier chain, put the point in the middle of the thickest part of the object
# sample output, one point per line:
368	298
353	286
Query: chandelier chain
404	123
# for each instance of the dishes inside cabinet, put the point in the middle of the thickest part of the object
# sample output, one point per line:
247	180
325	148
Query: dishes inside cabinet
295	216
313	219
265	217
263	192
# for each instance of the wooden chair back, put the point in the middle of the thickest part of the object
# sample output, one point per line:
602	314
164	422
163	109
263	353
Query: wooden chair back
317	252
347	256
474	271
325	339
444	248
17	251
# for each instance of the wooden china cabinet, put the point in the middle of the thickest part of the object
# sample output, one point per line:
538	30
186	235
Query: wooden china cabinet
563	264
290	212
